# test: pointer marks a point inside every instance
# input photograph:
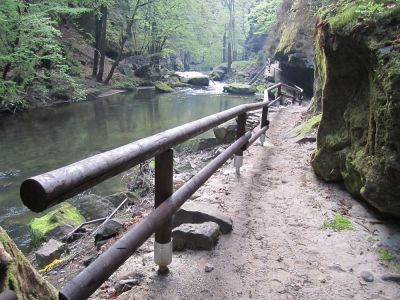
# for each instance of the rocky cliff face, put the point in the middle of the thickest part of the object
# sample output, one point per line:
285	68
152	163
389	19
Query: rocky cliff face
358	66
292	43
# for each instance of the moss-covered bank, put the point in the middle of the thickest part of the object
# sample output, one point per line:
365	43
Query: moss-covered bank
358	64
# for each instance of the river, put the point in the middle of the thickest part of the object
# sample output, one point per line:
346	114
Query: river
34	142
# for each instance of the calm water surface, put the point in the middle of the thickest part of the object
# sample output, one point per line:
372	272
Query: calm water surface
35	142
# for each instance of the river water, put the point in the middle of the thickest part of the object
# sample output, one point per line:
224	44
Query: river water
34	142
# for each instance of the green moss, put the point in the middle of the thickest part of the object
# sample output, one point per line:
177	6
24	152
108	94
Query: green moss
308	126
65	214
163	87
345	17
19	276
288	37
239	89
385	255
338	223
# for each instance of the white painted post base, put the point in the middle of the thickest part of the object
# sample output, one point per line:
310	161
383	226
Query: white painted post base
238	163
163	255
262	139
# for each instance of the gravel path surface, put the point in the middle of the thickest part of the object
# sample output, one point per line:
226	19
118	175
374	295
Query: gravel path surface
277	249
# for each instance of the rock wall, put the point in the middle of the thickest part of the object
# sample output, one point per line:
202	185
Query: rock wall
292	42
358	66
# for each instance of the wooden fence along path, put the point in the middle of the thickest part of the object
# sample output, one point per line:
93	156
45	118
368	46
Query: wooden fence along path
43	191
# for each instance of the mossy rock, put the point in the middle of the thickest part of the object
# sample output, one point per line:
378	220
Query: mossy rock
17	273
307	127
358	66
163	87
199	80
240	89
55	224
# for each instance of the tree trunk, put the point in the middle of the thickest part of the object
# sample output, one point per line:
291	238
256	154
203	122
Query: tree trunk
229	57
7	69
102	46
96	47
17	274
224	46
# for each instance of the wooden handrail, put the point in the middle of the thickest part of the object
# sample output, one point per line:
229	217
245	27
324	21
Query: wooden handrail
43	191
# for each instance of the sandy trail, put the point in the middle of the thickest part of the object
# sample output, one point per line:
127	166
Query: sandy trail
277	249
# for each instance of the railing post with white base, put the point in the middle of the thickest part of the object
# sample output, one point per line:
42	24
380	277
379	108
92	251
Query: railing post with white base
164	172
240	131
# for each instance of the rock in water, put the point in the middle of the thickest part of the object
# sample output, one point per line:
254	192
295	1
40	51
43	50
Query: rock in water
193	212
367	276
49	252
195	236
200	80
163	87
240	89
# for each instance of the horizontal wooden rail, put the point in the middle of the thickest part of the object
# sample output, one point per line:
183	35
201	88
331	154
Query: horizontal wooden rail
43	191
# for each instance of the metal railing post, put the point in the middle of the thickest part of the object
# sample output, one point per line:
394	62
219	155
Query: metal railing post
264	122
164	171
280	95
240	131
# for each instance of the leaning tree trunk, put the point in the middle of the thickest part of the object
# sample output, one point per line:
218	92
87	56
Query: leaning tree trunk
102	46
18	275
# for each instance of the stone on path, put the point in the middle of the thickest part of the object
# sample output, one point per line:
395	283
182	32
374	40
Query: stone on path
194	212
49	251
195	236
367	276
208	268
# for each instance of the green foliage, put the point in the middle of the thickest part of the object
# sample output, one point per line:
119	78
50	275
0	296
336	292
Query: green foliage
338	223
370	8
30	51
264	15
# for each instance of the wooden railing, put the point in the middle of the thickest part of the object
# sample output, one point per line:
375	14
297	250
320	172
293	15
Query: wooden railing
43	191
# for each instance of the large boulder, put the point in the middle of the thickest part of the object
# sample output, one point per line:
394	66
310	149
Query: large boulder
199	80
226	132
55	224
143	71
240	89
93	207
219	73
359	134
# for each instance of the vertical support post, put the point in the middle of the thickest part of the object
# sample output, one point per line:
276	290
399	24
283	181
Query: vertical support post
280	95
163	189
241	130
264	122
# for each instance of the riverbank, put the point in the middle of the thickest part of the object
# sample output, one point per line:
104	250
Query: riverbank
284	244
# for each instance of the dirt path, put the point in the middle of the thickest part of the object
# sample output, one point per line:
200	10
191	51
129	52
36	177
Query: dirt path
277	249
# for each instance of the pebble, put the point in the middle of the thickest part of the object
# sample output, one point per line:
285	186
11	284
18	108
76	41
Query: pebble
208	268
367	276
